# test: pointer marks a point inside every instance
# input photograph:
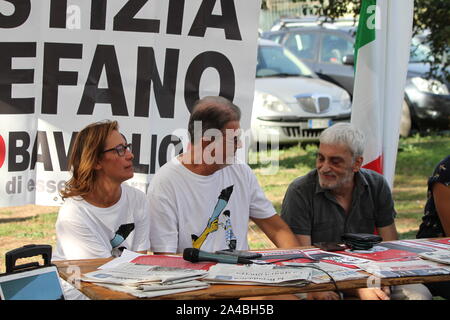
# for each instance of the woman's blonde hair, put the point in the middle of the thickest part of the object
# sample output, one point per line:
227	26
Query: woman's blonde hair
86	152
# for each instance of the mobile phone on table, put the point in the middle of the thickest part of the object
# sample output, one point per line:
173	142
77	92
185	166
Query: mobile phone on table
240	253
330	246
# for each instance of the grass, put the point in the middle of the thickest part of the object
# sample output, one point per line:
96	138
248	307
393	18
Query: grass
416	160
17	232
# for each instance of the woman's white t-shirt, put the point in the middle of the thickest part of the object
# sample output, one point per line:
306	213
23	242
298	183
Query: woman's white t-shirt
85	231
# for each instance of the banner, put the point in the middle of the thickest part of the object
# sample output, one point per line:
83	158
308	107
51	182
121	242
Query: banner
67	63
382	53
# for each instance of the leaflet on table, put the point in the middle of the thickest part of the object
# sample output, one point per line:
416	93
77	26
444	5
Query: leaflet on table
443	241
126	256
255	274
157	290
390	251
413	268
435	244
335	258
322	271
441	256
131	274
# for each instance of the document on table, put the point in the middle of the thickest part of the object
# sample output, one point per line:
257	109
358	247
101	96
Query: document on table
322	272
258	275
412	268
126	256
441	256
158	289
131	274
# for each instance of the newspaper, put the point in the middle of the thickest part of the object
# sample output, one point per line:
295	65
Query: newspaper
336	258
130	274
412	268
258	275
442	256
156	290
324	272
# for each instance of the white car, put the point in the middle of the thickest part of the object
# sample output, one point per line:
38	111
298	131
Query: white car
292	104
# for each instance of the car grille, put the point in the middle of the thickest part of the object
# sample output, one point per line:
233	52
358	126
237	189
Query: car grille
314	103
297	132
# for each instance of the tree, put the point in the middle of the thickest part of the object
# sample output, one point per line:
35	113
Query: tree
431	17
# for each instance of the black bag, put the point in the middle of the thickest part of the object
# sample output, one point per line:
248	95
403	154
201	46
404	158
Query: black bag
361	241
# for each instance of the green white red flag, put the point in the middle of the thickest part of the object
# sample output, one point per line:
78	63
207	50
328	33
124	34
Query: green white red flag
381	59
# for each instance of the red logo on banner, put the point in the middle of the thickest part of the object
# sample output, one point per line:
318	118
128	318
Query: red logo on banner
2	151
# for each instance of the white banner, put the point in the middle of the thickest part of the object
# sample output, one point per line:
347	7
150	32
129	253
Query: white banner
67	63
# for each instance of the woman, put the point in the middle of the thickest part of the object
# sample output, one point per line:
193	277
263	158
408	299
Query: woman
436	221
101	215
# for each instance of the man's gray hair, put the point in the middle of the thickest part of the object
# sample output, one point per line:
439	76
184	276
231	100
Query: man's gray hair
346	134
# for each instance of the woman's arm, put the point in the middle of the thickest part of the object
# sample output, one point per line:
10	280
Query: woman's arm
441	195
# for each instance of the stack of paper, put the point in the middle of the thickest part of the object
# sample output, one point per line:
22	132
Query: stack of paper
131	274
255	274
412	268
146	281
158	289
441	256
323	271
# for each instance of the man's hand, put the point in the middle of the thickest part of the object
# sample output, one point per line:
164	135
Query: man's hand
324	295
374	293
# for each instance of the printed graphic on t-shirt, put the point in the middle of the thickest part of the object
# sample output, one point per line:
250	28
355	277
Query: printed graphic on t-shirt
230	238
121	234
213	221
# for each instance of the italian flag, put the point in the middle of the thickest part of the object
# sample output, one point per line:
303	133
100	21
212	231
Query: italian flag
382	48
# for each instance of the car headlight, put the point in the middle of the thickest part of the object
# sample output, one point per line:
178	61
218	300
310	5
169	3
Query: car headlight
345	100
430	85
272	103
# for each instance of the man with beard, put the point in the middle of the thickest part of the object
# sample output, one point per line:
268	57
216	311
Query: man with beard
340	197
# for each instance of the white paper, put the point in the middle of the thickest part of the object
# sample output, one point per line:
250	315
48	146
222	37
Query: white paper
131	274
150	294
257	274
442	256
127	256
338	273
412	268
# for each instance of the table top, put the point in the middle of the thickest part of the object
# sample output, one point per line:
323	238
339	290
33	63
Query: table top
70	269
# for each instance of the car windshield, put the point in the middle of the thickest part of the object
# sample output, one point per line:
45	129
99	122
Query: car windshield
276	61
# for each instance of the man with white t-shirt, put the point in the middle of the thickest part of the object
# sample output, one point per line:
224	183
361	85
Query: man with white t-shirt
204	198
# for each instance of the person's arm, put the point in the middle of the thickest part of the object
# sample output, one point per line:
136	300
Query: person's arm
441	195
388	233
304	240
277	231
370	293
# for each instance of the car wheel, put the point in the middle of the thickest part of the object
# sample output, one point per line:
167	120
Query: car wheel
405	120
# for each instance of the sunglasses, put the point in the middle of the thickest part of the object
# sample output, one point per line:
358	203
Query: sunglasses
121	149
